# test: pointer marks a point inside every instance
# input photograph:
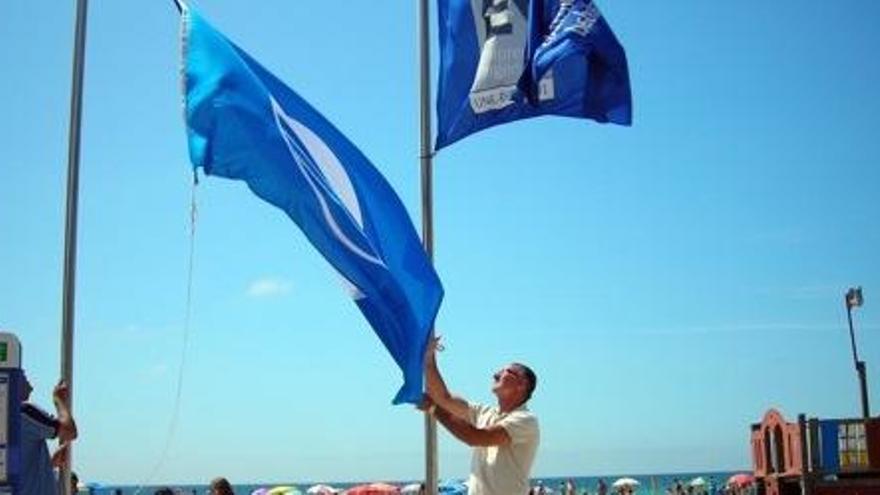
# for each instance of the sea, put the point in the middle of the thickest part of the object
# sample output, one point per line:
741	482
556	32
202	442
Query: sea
650	484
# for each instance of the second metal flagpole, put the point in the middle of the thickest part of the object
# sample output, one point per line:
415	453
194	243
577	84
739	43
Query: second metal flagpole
70	229
425	158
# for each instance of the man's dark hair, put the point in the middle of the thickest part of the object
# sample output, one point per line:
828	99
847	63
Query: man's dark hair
531	378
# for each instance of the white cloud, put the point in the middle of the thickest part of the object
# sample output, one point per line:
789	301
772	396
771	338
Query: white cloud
268	287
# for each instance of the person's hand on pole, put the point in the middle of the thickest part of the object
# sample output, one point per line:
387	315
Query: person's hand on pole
61	393
427	405
67	431
434	345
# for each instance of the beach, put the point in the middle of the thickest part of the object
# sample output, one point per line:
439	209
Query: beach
651	484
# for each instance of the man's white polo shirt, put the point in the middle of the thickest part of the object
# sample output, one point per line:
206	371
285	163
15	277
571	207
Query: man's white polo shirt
504	470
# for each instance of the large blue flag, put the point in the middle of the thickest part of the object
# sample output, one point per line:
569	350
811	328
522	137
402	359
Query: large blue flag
243	123
505	60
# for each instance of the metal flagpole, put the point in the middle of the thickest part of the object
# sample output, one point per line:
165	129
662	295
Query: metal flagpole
68	297
425	158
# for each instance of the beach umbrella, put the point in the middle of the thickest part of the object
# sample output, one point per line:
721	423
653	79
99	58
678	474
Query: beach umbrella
625	482
698	482
452	487
321	488
283	490
741	479
411	488
374	489
91	486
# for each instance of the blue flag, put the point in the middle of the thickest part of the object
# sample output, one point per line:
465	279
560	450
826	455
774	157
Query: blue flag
243	123
505	60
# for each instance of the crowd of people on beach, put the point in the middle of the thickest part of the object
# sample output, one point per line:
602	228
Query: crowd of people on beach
677	487
709	487
221	486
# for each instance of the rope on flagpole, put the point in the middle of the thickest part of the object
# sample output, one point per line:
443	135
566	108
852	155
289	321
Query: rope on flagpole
175	414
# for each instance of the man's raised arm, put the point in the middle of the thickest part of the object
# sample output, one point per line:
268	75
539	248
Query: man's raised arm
469	434
436	387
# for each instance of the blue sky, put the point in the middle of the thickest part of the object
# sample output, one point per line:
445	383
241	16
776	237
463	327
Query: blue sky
669	282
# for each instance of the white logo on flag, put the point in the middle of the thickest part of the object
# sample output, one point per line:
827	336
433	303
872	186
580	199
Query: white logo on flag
329	172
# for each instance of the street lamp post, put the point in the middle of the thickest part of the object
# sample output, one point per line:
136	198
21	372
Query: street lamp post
853	299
